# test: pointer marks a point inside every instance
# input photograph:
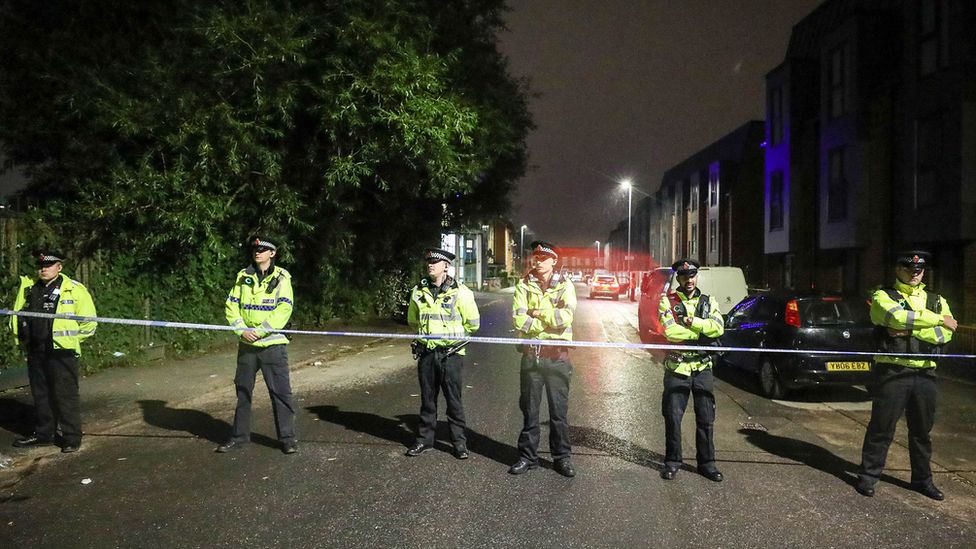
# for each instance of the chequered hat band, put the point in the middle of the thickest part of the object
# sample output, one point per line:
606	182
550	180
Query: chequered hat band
49	258
545	250
437	256
263	243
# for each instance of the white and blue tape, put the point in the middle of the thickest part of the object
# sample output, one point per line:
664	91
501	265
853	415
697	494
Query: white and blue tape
479	339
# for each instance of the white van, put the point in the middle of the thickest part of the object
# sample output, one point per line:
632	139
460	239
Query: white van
727	284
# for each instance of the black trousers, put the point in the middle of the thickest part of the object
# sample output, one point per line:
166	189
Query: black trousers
900	390
53	376
439	373
674	400
553	376
272	361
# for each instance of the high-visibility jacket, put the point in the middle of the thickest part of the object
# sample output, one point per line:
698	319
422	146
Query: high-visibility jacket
710	326
452	313
261	306
556	306
926	325
73	299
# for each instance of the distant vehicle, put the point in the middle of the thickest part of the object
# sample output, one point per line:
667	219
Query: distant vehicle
587	278
576	276
605	285
726	284
791	320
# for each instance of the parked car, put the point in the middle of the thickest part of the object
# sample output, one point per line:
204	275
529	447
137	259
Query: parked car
605	285
790	320
727	284
576	276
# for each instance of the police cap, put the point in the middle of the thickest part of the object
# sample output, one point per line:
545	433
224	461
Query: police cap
545	248
686	267
914	259
433	255
48	257
257	242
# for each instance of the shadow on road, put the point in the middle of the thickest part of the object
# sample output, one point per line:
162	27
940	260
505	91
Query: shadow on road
193	422
617	447
397	430
810	455
16	417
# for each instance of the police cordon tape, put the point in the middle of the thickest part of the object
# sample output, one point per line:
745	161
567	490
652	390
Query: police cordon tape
479	339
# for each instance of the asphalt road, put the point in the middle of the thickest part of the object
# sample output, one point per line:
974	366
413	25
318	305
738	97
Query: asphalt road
154	480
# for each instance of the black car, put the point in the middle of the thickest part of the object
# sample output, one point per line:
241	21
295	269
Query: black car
801	321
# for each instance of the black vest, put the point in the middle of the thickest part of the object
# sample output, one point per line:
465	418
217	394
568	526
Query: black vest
910	344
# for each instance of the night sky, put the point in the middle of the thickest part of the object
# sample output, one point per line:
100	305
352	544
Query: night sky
629	89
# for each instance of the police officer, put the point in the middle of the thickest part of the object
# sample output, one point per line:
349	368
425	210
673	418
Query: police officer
259	303
53	347
543	309
911	320
688	316
439	305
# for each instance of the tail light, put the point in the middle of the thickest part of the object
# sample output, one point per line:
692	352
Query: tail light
615	286
792	314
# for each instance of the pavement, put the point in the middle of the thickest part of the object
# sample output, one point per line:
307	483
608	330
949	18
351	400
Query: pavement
116	397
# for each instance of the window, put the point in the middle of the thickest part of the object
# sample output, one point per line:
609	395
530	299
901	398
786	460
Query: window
713	189
712	235
836	82
776	201
932	36
693	206
836	186
775	115
693	248
928	160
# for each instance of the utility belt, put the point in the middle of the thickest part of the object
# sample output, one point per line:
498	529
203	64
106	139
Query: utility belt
908	344
420	350
678	357
547	351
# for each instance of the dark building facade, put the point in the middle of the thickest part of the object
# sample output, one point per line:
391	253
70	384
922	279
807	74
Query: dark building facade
710	207
871	147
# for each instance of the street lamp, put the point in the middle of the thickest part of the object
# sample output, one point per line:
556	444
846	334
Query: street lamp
522	245
597	254
630	189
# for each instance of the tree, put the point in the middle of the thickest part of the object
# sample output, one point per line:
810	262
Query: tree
169	130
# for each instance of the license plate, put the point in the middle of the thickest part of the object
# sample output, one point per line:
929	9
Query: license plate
848	366
606	288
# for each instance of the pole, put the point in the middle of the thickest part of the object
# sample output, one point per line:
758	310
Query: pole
630	189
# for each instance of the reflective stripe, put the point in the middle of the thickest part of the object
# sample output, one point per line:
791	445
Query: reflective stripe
558	317
669	322
69	333
273	337
528	324
940	334
890	315
910	321
266	326
239	322
440	317
86	332
475	323
521	311
570	308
